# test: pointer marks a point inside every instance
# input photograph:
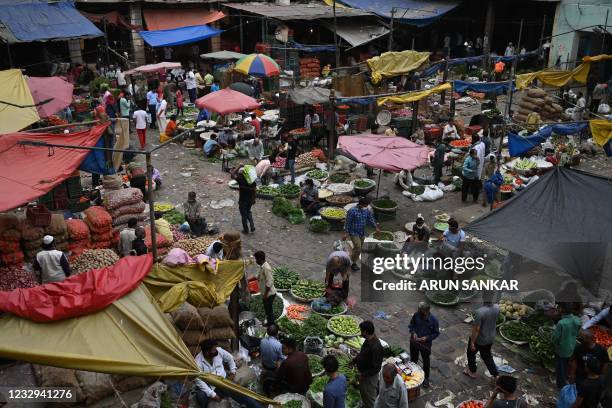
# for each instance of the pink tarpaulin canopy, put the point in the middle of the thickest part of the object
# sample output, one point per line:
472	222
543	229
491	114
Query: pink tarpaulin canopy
51	87
384	152
227	101
153	67
28	172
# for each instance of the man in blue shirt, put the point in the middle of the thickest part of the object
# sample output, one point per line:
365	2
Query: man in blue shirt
354	227
271	349
471	180
214	87
152	103
211	147
203	115
424	329
334	393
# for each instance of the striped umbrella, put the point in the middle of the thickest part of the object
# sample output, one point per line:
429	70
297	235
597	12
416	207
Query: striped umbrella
257	65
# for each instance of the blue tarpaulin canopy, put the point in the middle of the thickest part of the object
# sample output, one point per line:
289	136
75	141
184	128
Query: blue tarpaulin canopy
40	20
311	48
178	36
415	12
462	86
95	161
518	145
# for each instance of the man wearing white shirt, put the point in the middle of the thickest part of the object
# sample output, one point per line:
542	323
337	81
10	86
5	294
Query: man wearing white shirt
480	148
190	84
450	131
121	82
211	360
160	114
215	251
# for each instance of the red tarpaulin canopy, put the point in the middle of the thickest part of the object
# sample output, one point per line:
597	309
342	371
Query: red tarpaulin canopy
28	172
51	87
177	18
153	67
392	154
227	101
78	295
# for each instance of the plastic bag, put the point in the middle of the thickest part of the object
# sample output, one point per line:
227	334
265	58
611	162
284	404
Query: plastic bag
296	216
567	396
432	193
249	173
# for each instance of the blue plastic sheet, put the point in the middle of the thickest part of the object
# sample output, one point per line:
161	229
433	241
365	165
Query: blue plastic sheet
311	48
95	161
357	101
462	86
178	36
419	13
519	145
40	20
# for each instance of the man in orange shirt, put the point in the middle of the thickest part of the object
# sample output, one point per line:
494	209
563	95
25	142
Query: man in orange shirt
499	70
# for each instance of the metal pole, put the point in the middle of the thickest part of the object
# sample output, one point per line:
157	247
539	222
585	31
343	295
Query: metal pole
542	43
241	35
331	140
151	205
336	49
415	115
106	42
378	184
512	72
603	34
444	77
413	38
391	29
91	122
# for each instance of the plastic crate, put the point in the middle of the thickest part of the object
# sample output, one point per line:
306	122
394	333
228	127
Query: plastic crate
38	215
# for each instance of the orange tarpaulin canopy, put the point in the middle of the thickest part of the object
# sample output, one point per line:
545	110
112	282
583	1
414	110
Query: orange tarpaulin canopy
177	18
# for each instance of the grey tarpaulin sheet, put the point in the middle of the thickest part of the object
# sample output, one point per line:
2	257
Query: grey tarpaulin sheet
309	95
562	220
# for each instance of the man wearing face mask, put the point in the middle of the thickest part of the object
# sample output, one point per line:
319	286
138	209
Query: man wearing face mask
420	231
212	360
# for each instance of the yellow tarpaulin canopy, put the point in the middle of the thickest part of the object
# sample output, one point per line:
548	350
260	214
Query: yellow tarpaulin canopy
129	337
173	286
390	64
15	90
414	96
559	78
601	130
330	3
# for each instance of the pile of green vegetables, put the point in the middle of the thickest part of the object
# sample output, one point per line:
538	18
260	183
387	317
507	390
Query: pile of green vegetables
293	404
525	164
281	207
363	183
443	298
256	306
353	397
268	191
289	190
344	325
313	326
383	236
308	289
351	373
318	384
418	190
318	225
384	203
315	364
284	277
516	331
317	174
333	341
174	217
338	177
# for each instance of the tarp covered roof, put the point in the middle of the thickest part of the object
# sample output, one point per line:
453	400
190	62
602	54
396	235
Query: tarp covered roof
15	90
28	172
153	67
178	36
388	153
43	88
168	19
112	17
559	221
416	12
358	34
40	20
296	11
223	55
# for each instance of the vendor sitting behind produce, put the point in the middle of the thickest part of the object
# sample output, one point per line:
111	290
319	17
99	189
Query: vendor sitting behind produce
214	360
420	232
294	372
127	236
215	250
170	131
139	247
450	131
211	147
52	264
454	237
309	197
337	275
194	216
226	138
264	169
491	187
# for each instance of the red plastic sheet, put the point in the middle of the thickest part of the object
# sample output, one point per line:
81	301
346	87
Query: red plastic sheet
78	295
28	172
164	19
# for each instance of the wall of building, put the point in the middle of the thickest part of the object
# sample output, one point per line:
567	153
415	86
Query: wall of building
570	17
